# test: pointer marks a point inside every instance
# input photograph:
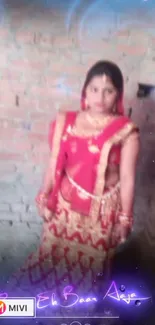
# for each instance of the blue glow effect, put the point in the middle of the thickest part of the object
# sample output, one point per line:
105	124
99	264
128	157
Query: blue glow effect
71	12
114	5
70	6
2	11
104	16
62	85
86	15
94	16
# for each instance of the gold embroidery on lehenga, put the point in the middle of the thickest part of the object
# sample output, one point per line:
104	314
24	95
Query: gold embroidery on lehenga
93	149
102	166
67	225
111	205
82	195
77	222
79	247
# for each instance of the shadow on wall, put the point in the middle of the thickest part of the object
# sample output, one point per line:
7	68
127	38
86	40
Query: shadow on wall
129	263
137	257
144	210
13	252
146	170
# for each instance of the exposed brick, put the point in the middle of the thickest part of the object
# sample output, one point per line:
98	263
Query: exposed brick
11	156
42	150
40	127
42	116
38	90
97	46
28	181
9	178
29	64
6	216
31	215
31	218
36	54
11	74
40	158
4	207
7	167
138	50
63	42
32	209
11	124
9	194
29	105
3	61
6	134
12	112
9	136
28	199
21	146
73	69
37	137
4	32
43	40
24	37
25	168
18	208
122	33
38	170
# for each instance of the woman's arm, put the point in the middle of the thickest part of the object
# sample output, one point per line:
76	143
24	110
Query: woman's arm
54	140
48	177
129	157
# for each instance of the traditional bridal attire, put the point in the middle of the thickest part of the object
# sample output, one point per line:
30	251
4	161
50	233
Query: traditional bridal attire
85	213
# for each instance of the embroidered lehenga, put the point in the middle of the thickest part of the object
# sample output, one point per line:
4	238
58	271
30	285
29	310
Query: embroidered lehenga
81	234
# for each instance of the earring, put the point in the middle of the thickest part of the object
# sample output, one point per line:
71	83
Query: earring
114	110
86	103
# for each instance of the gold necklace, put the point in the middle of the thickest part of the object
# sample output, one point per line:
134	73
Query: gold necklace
97	122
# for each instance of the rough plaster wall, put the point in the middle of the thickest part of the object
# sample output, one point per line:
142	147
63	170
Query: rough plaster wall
42	67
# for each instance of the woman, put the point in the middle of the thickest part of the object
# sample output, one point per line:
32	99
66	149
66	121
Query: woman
86	199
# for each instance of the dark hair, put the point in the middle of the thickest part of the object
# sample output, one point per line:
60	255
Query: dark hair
108	68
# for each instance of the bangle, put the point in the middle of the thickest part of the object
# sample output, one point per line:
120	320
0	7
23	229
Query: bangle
41	196
124	219
122	240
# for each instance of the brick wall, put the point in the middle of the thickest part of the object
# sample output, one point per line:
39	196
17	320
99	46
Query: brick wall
42	67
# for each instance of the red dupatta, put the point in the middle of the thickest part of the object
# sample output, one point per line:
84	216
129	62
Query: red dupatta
113	134
57	145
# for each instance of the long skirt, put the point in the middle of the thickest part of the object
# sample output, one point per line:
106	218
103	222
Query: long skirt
71	257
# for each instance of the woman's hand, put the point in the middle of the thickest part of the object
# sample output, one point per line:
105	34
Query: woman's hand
41	202
41	198
129	157
121	232
47	214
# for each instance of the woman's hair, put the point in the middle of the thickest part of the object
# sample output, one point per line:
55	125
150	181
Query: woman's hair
109	69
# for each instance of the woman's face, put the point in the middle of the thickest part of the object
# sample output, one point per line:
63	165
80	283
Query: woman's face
101	95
